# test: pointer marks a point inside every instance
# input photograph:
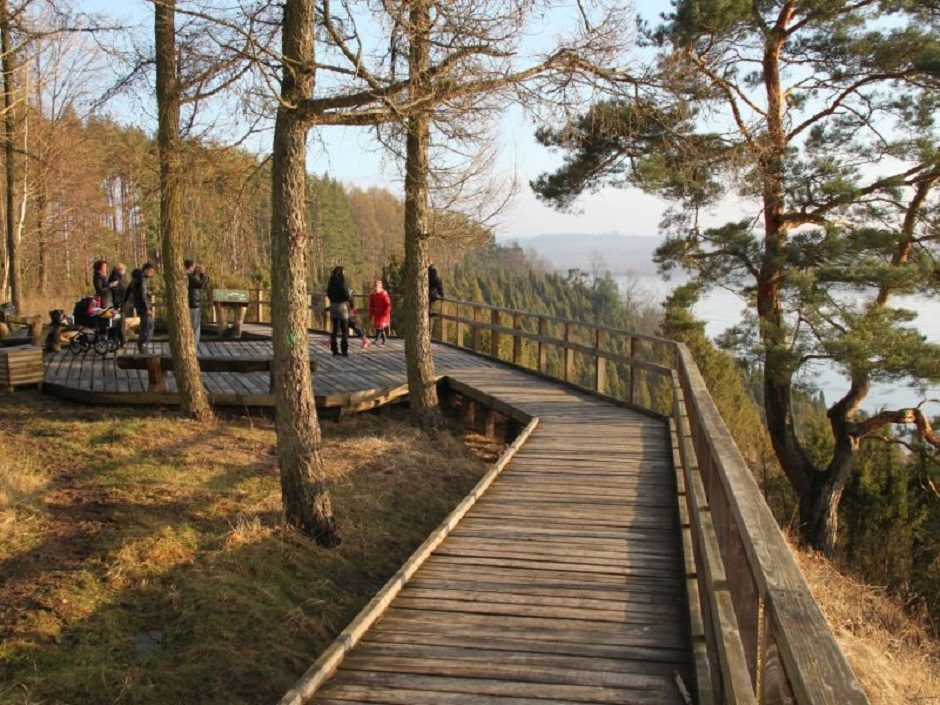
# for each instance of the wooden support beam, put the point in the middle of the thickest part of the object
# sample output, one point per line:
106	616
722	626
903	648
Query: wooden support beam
489	423
469	410
516	340
156	380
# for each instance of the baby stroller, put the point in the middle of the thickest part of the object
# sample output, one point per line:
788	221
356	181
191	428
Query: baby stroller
98	328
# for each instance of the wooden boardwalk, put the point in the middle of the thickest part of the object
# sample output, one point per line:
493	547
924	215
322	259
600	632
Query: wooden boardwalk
563	584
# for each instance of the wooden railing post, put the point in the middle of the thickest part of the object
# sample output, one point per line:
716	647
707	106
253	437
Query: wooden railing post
634	371
459	325
543	332
569	353
259	315
445	324
494	334
516	340
437	325
600	362
474	332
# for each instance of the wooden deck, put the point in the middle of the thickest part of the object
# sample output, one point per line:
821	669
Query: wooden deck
368	377
563	584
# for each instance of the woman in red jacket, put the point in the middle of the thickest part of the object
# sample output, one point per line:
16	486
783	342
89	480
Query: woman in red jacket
380	310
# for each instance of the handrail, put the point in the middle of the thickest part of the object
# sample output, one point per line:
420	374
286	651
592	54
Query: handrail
560	319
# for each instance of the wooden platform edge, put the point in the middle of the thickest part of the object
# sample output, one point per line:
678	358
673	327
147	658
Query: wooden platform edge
356	401
555	380
326	665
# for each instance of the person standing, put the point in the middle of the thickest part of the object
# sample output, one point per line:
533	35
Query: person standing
197	276
99	280
118	285
119	297
143	303
380	310
435	285
340	307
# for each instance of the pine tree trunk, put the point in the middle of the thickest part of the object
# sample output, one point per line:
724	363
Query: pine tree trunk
778	364
193	398
422	381
14	275
307	504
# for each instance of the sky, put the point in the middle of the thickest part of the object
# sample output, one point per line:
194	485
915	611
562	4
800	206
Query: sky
351	156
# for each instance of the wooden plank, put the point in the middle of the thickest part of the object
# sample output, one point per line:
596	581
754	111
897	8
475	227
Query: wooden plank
516	675
650	692
506	642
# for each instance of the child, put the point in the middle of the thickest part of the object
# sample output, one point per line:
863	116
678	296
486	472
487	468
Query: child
380	310
354	325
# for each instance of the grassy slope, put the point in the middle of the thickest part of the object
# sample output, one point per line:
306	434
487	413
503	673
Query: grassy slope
894	657
141	559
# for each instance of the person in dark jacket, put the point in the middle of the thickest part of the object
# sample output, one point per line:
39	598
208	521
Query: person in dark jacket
118	285
197	280
99	280
143	303
341	305
435	285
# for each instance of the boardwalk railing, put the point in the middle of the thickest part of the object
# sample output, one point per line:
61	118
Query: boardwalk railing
759	636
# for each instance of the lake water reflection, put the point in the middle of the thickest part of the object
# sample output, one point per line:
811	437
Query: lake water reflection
721	309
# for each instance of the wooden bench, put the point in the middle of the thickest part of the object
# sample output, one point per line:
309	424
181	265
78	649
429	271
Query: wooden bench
157	365
21	366
32	324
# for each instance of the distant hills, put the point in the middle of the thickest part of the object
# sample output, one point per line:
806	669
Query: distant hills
619	253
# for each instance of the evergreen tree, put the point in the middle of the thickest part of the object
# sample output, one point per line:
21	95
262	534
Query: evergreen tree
833	143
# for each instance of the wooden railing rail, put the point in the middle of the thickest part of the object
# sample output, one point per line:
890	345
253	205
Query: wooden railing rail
791	653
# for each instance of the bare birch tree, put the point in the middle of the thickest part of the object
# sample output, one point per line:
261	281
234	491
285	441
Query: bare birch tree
7	60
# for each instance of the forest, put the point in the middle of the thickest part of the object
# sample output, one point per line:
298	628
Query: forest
796	148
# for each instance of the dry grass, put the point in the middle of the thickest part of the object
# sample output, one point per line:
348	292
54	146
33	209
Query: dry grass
149	564
894	657
20	482
34	304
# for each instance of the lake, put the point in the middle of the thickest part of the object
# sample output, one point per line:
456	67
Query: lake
720	309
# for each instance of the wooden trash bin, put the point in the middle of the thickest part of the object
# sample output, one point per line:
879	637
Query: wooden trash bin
21	366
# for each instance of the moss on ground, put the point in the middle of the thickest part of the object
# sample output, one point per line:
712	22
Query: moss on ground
142	558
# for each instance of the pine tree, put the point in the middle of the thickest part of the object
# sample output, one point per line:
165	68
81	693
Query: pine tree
833	144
